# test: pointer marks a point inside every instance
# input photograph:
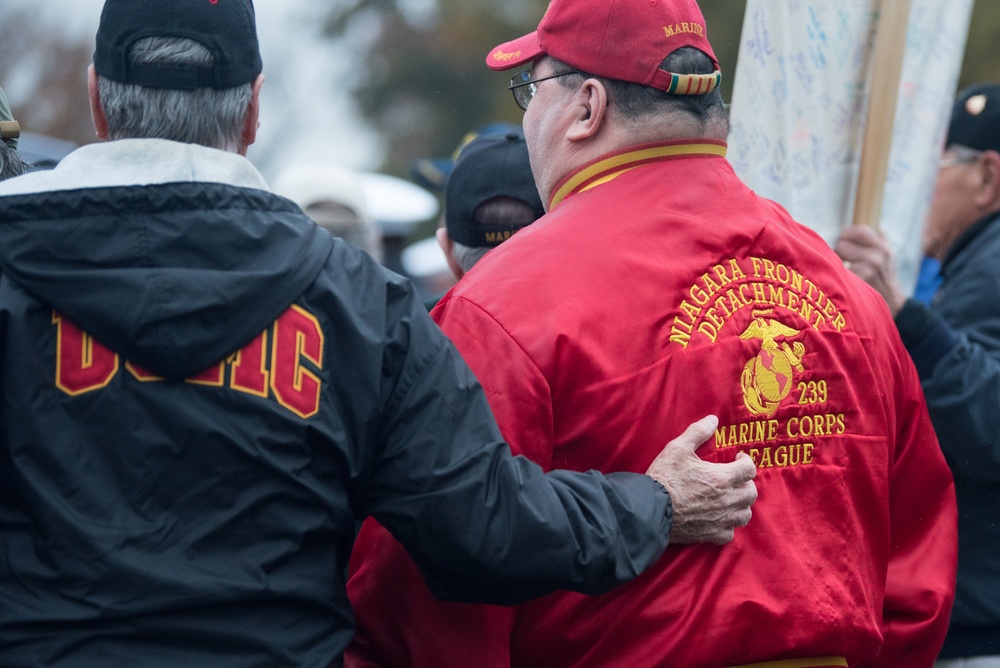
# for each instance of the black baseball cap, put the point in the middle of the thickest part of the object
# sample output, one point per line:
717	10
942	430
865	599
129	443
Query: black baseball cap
227	28
975	119
488	167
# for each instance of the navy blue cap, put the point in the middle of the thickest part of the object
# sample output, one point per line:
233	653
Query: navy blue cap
490	166
227	28
975	119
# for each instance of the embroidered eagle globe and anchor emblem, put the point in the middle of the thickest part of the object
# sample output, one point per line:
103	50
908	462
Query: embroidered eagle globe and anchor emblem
768	377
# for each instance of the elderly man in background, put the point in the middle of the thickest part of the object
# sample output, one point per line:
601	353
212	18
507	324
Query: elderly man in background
489	195
334	197
955	345
656	288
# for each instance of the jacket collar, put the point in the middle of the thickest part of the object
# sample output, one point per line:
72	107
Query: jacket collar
614	164
966	238
138	162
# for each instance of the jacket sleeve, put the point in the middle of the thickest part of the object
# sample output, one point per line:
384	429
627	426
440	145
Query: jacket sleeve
923	555
957	354
483	525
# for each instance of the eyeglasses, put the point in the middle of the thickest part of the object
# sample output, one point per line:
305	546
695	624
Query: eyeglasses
524	87
966	157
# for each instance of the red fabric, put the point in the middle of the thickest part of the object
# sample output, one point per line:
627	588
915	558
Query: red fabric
600	332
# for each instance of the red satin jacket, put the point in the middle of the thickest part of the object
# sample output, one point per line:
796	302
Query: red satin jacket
657	290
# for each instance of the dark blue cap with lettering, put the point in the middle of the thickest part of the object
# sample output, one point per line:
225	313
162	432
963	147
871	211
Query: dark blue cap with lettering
227	28
487	168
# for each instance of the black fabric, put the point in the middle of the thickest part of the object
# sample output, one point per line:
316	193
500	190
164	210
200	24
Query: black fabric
227	28
173	300
155	521
927	337
969	641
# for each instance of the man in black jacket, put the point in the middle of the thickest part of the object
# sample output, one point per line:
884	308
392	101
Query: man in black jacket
955	345
203	392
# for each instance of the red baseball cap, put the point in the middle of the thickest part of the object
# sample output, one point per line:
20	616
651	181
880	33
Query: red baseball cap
617	39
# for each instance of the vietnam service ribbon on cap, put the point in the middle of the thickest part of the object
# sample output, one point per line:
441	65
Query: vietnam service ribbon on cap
693	84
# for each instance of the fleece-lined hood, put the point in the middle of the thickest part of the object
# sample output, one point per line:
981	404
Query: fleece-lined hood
107	240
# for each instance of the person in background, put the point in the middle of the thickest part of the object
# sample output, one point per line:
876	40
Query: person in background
334	197
658	287
489	195
203	391
11	164
432	173
955	344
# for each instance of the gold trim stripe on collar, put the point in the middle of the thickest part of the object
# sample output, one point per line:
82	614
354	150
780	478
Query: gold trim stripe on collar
605	170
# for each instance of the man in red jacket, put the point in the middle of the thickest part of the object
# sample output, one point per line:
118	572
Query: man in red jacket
656	289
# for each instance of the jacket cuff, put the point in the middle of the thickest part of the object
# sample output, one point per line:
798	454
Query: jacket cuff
927	337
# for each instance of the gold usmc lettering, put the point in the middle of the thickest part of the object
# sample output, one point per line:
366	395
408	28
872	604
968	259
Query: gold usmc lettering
84	365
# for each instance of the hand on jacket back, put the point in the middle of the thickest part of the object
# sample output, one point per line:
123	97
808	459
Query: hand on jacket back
710	500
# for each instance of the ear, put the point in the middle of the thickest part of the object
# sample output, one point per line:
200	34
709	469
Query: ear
96	110
987	196
448	246
590	104
252	121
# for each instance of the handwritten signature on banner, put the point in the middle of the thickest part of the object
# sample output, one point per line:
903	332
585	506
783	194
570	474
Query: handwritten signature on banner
799	105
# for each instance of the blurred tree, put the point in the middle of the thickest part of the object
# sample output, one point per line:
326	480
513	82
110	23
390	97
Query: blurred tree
45	78
982	62
427	83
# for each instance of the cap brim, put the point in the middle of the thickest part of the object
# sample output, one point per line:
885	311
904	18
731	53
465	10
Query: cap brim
515	53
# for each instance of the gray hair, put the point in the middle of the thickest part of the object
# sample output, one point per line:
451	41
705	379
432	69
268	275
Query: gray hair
205	116
636	102
467	256
11	163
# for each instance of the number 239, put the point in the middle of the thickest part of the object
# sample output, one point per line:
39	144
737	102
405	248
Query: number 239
813	392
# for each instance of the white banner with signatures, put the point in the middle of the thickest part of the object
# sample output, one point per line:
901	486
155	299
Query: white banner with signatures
800	101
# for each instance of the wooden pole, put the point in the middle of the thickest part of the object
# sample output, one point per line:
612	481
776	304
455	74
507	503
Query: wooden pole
890	48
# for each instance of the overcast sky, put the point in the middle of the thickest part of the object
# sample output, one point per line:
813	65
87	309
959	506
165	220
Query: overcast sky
305	114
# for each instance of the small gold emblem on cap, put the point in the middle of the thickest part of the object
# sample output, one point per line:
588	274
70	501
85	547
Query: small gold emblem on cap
975	104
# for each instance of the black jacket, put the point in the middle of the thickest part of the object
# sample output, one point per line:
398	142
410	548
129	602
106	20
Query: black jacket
149	520
955	346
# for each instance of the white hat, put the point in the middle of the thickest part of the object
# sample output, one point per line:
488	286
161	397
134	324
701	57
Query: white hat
308	184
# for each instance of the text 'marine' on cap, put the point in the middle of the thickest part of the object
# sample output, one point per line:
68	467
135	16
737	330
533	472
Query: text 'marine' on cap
488	167
227	28
617	39
975	118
